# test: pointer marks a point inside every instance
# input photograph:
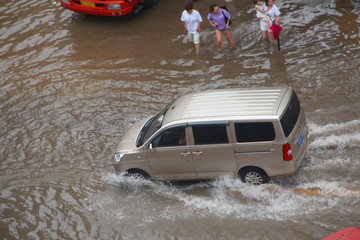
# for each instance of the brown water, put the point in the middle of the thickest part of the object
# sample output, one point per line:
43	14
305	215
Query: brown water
71	85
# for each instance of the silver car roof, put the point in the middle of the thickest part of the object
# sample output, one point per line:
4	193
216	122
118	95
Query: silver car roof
228	104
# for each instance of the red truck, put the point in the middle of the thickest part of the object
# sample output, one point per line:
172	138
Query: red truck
113	8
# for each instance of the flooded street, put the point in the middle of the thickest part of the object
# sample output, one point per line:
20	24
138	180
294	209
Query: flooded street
73	84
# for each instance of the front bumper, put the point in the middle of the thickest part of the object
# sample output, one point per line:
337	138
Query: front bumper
100	7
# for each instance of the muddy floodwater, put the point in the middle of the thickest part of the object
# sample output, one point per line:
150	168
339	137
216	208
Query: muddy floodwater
72	85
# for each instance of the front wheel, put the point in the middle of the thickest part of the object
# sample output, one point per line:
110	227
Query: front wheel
137	174
254	176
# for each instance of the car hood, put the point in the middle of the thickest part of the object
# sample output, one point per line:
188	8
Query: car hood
128	141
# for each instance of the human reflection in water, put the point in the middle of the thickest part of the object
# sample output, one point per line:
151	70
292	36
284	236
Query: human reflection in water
278	67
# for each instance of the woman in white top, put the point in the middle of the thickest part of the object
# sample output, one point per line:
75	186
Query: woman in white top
274	15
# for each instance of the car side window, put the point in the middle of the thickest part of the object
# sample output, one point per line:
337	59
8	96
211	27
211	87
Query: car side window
210	134
254	132
170	137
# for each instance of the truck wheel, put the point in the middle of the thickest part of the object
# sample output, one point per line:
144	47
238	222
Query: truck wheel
253	175
150	3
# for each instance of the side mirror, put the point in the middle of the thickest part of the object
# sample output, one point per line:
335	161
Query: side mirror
150	146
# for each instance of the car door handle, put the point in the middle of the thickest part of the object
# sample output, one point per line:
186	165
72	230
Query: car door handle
185	154
197	153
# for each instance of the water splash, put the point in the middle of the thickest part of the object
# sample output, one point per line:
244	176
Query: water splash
335	136
230	198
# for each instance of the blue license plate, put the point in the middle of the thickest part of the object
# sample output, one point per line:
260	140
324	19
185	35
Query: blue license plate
301	139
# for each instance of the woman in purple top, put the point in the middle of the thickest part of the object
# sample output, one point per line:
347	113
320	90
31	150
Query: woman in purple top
216	18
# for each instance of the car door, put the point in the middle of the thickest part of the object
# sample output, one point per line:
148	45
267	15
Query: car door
257	145
170	156
212	152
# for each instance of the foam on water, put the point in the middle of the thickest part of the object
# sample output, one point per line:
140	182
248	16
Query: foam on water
334	127
341	142
335	136
230	198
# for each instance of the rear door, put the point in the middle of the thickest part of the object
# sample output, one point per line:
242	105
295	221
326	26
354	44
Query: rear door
170	155
258	145
212	152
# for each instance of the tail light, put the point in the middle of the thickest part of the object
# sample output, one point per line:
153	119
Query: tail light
287	154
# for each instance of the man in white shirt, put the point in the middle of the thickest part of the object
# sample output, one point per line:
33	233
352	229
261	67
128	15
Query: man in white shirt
192	21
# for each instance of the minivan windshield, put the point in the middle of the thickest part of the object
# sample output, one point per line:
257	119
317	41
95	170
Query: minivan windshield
291	115
151	126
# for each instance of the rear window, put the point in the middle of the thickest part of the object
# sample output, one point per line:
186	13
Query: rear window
289	119
254	132
210	134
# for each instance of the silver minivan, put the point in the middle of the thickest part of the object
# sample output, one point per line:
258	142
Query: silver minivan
255	134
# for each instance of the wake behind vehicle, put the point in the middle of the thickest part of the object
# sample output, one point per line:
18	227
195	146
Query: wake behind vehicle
113	8
254	134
